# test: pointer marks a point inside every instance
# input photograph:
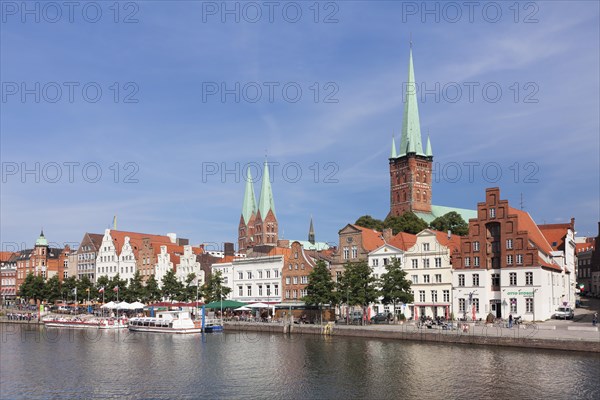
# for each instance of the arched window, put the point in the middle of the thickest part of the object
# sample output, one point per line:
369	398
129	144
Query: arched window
418	195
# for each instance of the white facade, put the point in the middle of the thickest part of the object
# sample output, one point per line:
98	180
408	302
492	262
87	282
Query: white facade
107	261
254	279
529	292
127	260
188	264
163	264
428	268
378	259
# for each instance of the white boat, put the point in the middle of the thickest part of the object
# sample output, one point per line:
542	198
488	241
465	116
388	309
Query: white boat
166	322
76	322
213	325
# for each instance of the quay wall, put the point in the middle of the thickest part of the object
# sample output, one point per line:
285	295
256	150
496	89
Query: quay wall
524	340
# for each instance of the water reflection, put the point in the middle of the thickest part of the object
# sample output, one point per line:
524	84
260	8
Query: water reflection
36	363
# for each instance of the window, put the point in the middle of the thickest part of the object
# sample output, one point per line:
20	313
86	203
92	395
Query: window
425	246
467	261
476	261
438	278
529	278
241	275
426	263
495	279
295	280
509	244
528	304
354	252
287	294
268	290
461	305
415	263
509	259
295	292
296	266
302	266
461	280
304	279
475	279
476	304
421	295
446	294
287	280
512	277
276	273
260	290
268	274
240	291
438	262
346	253
375	262
303	292
434	296
276	290
475	246
426	279
519	259
260	274
249	274
290	267
513	305
492	213
385	261
415	279
249	290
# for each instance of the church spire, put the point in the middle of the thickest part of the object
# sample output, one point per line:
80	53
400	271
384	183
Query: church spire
311	232
411	127
393	154
266	203
249	206
428	151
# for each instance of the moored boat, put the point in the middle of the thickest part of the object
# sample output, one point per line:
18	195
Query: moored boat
76	322
166	322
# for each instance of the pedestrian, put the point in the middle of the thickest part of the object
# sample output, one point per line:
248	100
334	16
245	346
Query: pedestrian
510	320
595	320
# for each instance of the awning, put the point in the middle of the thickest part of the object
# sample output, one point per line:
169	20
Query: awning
224	304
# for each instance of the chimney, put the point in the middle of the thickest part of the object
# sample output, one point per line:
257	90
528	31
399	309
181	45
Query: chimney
387	234
228	249
173	237
449	234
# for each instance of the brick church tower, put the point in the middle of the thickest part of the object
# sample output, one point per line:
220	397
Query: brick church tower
258	222
410	168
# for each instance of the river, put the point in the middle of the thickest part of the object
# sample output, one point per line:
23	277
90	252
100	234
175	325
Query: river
40	363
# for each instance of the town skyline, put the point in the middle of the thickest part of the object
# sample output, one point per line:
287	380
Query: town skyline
171	140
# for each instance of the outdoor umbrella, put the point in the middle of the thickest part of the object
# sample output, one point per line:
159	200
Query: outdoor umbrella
243	308
224	304
110	305
122	306
259	305
137	305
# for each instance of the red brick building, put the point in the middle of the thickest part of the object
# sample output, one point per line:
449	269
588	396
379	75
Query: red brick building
42	260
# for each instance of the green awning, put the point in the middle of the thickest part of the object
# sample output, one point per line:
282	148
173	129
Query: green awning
225	304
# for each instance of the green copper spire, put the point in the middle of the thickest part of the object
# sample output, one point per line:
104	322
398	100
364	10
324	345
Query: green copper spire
411	127
41	241
311	232
249	206
266	202
428	151
394	154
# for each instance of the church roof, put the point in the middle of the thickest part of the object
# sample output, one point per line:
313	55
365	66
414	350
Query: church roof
318	246
41	240
438	211
249	206
411	127
266	201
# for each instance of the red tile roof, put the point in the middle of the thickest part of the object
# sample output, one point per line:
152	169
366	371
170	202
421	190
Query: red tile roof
371	239
555	233
579	247
136	239
452	242
403	240
5	255
525	223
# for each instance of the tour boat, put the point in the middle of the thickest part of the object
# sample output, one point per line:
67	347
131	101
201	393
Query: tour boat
98	323
213	325
166	322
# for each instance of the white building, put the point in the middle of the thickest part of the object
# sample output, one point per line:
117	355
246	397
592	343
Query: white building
163	264
253	279
378	259
188	264
429	268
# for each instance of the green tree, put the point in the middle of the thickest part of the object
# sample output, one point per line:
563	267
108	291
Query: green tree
395	288
67	289
152	292
83	285
189	292
214	290
452	222
407	222
366	221
321	288
52	289
135	289
32	288
358	284
111	294
102	282
171	287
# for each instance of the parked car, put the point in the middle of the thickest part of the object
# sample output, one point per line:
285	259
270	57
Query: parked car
379	318
564	313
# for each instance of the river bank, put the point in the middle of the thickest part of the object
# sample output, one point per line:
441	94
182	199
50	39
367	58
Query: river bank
539	337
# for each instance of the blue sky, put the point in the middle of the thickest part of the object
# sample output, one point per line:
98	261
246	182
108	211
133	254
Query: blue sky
543	138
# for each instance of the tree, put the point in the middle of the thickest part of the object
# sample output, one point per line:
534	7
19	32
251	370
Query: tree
366	221
171	287
110	294
190	290
135	289
358	284
102	282
152	292
213	289
321	288
395	288
407	222
32	287
83	285
452	222
52	289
